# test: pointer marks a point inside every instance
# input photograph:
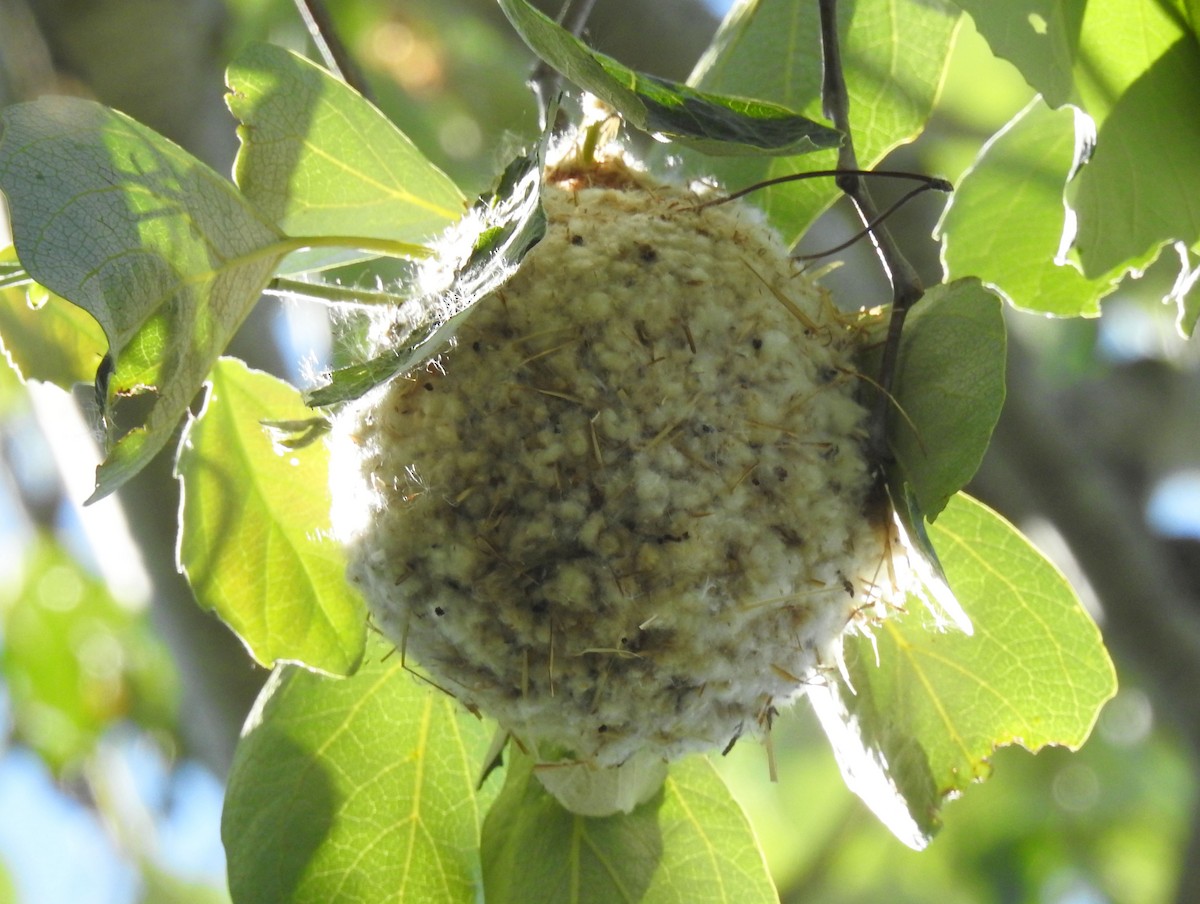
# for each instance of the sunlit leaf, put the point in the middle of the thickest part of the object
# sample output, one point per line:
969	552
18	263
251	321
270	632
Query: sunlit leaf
254	524
711	123
75	661
1185	294
949	389
47	338
163	252
318	159
352	790
1005	220
513	222
894	55
925	709
690	844
1131	66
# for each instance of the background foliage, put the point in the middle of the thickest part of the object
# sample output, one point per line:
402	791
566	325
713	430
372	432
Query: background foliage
1096	411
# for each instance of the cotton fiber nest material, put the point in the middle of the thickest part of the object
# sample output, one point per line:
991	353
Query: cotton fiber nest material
623	514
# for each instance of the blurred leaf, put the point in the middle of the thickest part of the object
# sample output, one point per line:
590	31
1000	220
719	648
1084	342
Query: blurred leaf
1131	66
949	389
512	222
690	844
710	123
318	159
928	708
351	790
75	660
8	889
894	56
163	252
1005	221
161	887
253	528
54	341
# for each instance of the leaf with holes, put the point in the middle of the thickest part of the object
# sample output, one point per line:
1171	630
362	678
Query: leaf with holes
254	521
928	708
163	252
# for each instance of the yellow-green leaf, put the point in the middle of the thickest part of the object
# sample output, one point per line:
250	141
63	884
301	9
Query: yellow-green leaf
254	525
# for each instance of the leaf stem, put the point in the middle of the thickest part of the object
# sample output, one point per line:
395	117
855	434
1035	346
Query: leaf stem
386	247
337	58
906	284
330	294
544	80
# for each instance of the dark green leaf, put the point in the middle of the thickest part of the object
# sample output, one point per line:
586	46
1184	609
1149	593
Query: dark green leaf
928	708
894	56
711	123
690	844
352	790
1005	221
949	390
513	222
319	160
254	522
163	252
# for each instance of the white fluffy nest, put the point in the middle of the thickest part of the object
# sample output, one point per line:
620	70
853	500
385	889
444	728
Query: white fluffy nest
624	513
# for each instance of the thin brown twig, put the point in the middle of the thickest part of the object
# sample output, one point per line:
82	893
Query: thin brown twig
337	58
906	284
544	80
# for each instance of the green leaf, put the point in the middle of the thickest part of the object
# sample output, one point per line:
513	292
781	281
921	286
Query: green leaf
1131	66
690	844
75	660
512	222
352	790
928	708
710	123
46	337
163	252
1039	37
894	56
318	159
254	523
1005	221
949	389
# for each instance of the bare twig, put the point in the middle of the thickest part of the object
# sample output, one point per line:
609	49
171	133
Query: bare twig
932	183
870	228
337	58
906	285
544	80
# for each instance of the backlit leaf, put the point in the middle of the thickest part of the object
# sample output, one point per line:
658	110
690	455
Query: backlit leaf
318	159
894	55
1131	66
254	526
46	337
163	252
690	844
927	708
355	789
710	123
1005	220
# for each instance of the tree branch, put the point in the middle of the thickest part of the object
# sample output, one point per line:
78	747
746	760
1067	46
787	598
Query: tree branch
906	284
544	80
337	58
